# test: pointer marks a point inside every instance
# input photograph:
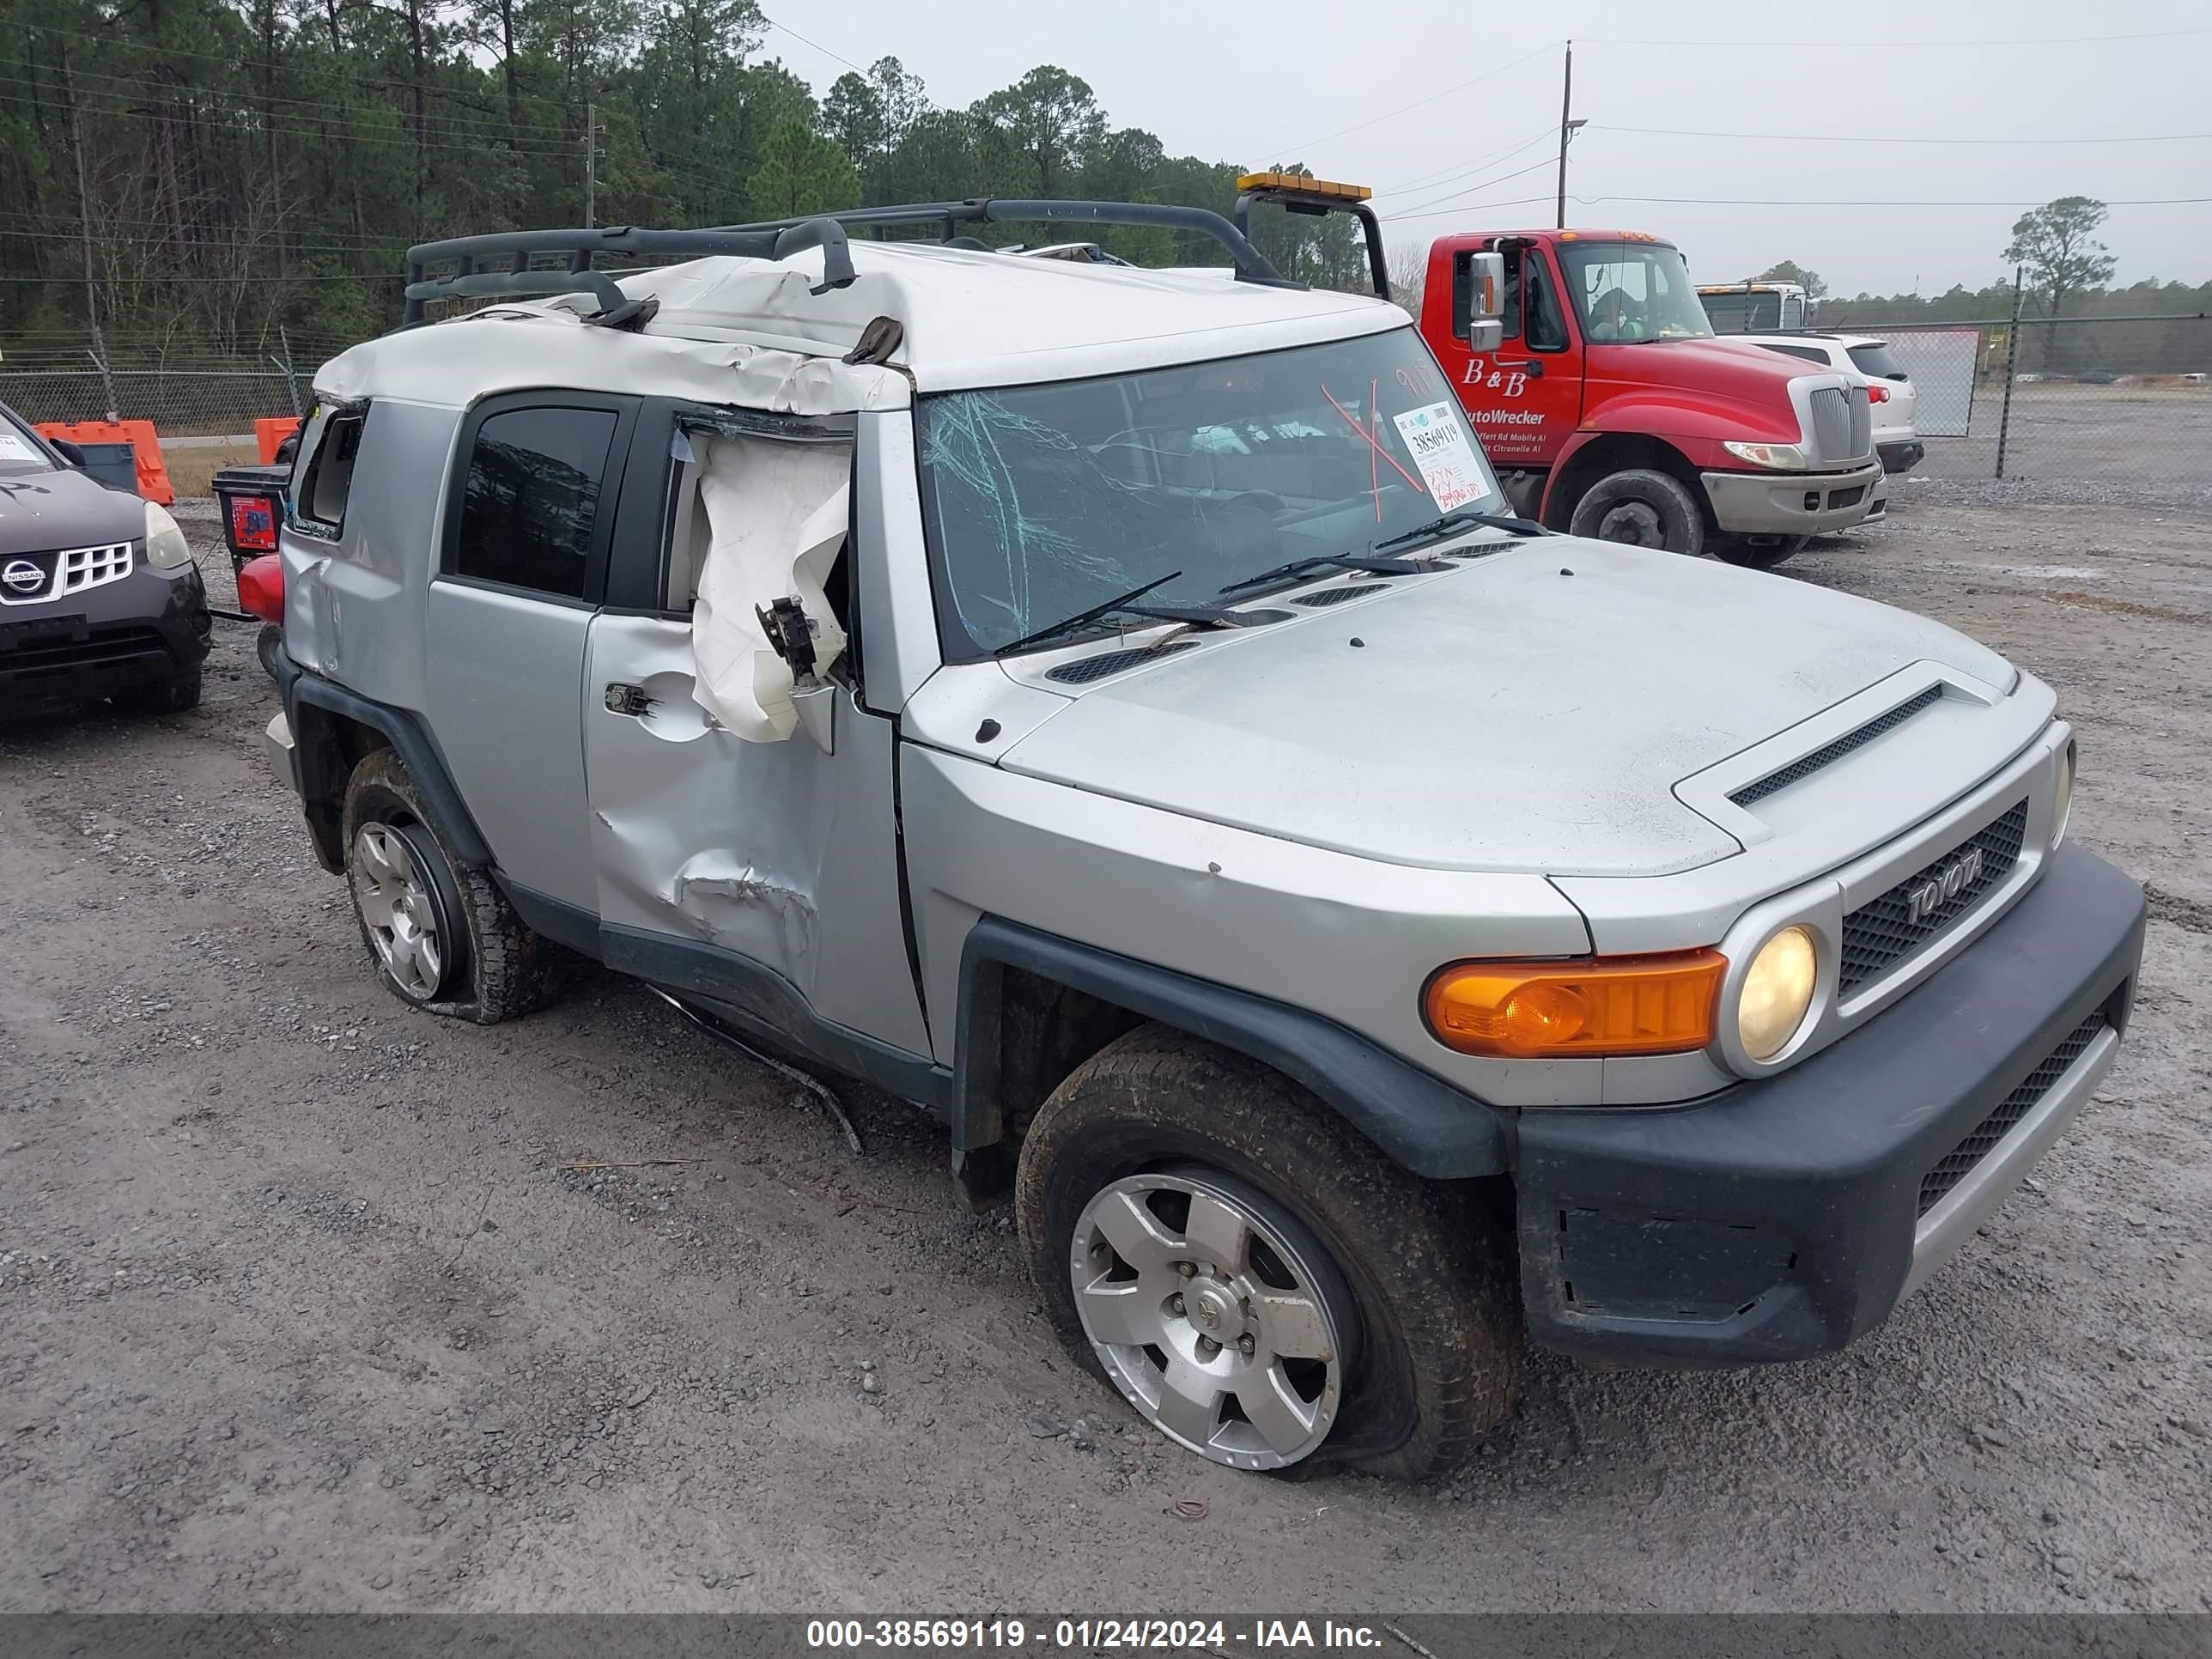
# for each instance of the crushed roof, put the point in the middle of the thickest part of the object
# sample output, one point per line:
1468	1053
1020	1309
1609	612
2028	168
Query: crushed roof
971	318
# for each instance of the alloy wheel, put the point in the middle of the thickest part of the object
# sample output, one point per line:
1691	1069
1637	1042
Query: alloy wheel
401	910
1216	1314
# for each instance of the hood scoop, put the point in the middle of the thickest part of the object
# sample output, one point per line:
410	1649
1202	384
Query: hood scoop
1829	754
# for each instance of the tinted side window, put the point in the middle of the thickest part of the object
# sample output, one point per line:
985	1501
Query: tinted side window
1877	362
1810	354
531	499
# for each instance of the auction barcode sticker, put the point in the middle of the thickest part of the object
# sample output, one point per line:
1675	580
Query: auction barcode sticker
1440	448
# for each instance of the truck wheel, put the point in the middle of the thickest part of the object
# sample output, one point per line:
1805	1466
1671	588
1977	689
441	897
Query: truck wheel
1261	1283
1643	508
1761	556
442	935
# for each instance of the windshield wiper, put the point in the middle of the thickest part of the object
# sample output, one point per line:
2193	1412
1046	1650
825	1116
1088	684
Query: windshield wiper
1373	566
1451	523
1191	615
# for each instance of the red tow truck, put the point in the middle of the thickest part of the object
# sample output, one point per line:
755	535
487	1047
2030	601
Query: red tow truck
1608	406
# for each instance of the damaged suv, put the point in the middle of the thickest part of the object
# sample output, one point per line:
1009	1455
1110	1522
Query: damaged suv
1115	710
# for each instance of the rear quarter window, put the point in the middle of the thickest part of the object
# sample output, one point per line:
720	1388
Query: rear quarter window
324	478
1876	363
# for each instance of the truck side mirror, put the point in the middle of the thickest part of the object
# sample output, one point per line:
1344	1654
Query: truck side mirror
67	451
1479	301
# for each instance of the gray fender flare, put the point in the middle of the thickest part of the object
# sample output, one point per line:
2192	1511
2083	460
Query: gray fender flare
1417	1121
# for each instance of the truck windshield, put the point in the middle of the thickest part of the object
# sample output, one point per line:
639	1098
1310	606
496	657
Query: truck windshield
1629	292
1041	501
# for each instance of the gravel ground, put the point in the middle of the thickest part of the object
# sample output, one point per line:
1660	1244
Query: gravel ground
304	1315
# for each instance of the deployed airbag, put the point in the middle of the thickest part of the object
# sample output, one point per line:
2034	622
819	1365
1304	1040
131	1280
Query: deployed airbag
777	515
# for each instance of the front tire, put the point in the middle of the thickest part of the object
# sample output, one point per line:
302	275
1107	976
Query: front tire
1641	507
178	694
442	935
1355	1313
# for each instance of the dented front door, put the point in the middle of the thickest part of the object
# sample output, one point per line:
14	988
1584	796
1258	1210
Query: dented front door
717	852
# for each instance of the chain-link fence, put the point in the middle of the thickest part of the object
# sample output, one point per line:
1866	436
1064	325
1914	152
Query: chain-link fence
2114	409
2109	408
186	391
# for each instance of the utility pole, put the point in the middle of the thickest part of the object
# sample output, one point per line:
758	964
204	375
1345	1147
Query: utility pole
1566	127
590	164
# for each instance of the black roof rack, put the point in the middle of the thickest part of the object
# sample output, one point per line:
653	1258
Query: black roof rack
1251	265
511	253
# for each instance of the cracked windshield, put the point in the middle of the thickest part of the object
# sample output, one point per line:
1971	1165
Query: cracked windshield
1046	500
1628	294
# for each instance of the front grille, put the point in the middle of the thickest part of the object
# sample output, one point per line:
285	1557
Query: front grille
1832	423
1842	424
1835	751
70	571
45	650
1884	930
1955	1163
1085	670
1846	497
1329	595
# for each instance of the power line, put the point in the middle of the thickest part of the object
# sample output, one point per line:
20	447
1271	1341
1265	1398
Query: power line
1976	41
1473	207
1865	138
1454	171
787	29
1413	207
1756	201
1489	74
487	142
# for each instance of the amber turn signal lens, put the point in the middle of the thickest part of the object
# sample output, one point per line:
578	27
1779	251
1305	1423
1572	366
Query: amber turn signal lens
1580	1008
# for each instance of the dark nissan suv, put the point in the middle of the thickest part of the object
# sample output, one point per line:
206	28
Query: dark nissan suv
98	595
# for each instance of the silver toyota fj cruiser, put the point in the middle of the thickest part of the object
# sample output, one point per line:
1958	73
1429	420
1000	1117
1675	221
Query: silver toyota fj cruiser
1115	709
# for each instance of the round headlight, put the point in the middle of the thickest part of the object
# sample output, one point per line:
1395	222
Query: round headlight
1777	990
2063	805
166	546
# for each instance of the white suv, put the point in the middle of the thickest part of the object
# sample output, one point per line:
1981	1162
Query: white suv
1888	387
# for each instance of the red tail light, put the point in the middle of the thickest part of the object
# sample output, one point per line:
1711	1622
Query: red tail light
253	523
1876	392
261	588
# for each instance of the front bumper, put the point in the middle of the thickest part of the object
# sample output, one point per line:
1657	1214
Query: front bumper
1789	504
1785	1217
148	627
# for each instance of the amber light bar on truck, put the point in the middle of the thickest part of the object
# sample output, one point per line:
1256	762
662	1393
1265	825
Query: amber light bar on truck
1304	184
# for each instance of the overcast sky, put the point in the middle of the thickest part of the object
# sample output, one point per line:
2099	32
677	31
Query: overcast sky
1283	81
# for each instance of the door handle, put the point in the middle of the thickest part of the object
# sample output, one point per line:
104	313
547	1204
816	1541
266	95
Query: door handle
1528	365
629	700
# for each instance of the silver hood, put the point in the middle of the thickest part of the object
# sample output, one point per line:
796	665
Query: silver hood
1506	716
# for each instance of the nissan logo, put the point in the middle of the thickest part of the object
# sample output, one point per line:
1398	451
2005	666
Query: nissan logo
23	577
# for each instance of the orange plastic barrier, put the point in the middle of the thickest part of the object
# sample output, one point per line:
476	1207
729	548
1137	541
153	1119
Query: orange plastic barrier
145	449
269	435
